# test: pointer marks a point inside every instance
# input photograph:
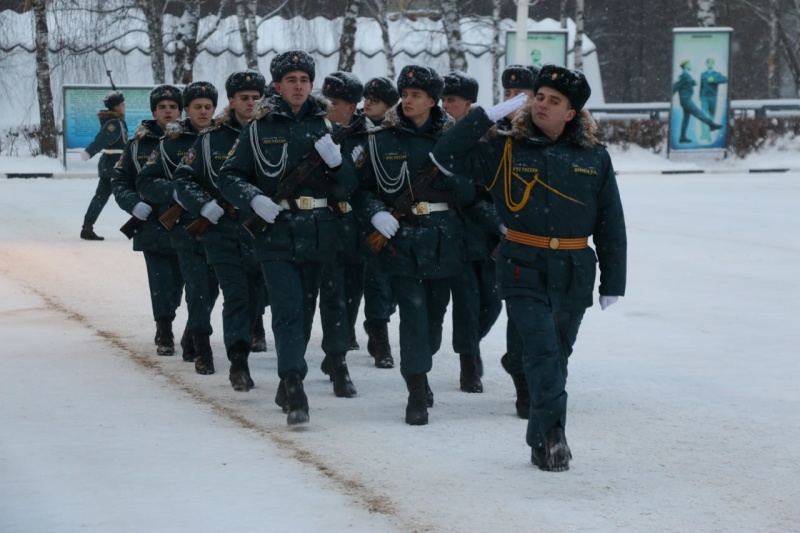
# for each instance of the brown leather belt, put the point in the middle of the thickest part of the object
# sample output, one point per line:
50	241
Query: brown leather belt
553	243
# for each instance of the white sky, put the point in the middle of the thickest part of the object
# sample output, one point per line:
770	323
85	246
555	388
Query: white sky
683	414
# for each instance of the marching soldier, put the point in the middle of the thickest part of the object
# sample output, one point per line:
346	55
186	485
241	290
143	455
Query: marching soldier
342	285
476	305
300	234
163	272
554	187
228	247
111	141
156	184
419	258
380	95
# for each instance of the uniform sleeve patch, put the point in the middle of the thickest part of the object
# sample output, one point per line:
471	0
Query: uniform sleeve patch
112	128
153	157
359	156
190	156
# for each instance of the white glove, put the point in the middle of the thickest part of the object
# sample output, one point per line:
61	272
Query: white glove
141	211
85	155
265	208
502	228
329	150
496	112
212	211
175	197
385	223
607	301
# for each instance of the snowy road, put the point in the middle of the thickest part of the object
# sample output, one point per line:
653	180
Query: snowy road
684	397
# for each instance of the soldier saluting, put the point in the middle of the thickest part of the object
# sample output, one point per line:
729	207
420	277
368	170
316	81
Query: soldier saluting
300	235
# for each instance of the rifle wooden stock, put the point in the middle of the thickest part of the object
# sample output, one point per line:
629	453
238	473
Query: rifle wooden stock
288	184
403	205
171	216
200	226
132	227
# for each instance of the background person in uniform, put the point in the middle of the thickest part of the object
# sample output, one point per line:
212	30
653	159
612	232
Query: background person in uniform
476	305
419	259
156	184
295	245
710	81
163	272
228	247
554	187
379	304
684	86
110	140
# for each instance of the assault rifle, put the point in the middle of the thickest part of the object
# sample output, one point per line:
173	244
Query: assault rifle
404	204
171	216
286	186
200	226
134	225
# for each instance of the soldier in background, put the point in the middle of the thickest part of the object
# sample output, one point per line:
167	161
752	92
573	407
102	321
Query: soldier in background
380	95
156	184
476	305
295	245
228	247
111	141
163	272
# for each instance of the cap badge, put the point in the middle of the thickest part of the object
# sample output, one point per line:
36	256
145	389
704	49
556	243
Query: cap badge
295	58
513	77
410	73
554	75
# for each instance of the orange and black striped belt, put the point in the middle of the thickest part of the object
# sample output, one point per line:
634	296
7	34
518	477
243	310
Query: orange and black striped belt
553	243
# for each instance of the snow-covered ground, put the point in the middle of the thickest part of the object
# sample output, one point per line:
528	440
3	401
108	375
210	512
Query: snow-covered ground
684	396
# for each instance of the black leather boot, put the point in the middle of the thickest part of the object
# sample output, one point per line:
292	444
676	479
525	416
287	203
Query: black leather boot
470	381
326	366
417	408
239	375
281	399
378	343
165	340
296	400
342	384
523	403
353	341
187	345
88	234
555	456
204	362
259	343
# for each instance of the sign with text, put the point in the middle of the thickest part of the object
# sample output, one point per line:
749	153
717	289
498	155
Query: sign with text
700	94
542	47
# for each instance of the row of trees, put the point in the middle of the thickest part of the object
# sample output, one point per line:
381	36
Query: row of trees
633	37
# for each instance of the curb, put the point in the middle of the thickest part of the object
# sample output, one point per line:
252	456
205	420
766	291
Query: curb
713	171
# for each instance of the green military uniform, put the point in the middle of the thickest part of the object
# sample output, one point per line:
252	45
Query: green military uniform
293	249
419	260
156	185
111	141
552	196
163	272
228	247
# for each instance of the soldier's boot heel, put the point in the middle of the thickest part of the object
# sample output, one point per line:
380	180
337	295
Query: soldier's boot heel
417	408
204	362
239	375
187	346
523	401
378	343
259	343
342	384
296	400
470	381
165	340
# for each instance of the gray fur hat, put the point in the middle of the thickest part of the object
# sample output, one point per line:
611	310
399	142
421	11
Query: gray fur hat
570	83
289	62
166	92
343	85
419	77
199	89
460	84
245	80
382	89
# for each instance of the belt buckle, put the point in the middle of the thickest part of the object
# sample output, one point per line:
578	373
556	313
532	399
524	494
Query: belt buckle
554	243
344	207
423	208
305	203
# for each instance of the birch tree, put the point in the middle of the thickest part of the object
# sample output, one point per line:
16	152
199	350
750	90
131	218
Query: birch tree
347	41
706	15
187	42
378	11
153	11
451	20
248	31
498	51
773	70
577	51
48	143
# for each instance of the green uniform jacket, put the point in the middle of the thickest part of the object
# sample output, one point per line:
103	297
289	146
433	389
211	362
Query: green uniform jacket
152	236
352	234
196	184
156	184
574	194
481	226
273	143
112	136
684	86
394	154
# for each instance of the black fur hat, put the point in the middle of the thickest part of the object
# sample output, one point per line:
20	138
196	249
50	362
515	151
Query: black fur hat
343	85
419	77
166	92
570	83
518	77
245	80
382	89
291	61
113	99
459	84
199	89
